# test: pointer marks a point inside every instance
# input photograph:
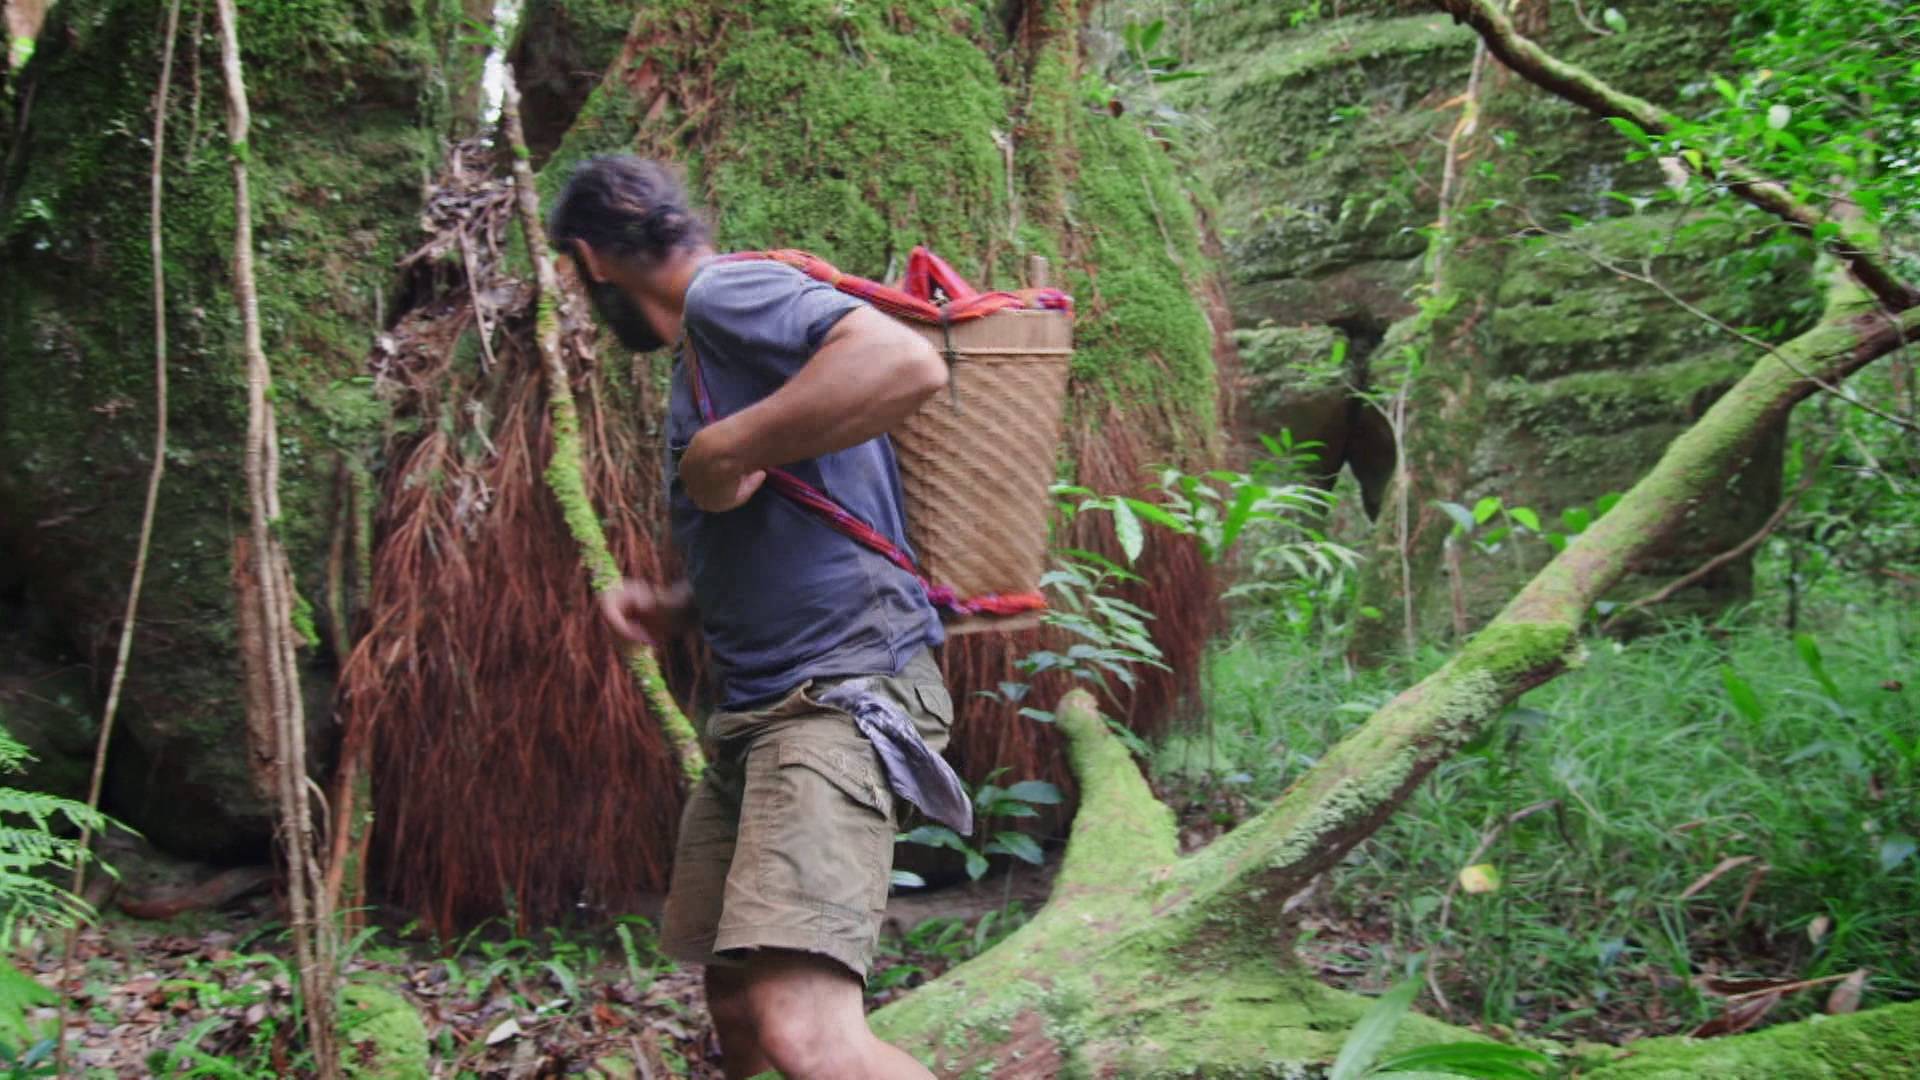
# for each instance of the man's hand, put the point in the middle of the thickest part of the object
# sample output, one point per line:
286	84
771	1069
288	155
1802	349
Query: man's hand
711	474
647	614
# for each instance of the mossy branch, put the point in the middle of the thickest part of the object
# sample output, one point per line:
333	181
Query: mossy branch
1365	777
1121	832
566	471
1581	87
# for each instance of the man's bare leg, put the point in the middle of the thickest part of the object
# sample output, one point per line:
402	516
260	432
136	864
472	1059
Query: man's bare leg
740	1052
807	1017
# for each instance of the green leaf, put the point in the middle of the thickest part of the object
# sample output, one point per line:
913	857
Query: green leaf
1895	850
936	836
1605	503
1374	1031
1615	21
1576	519
1150	36
19	992
1526	517
1126	529
1484	510
1036	791
1237	517
1020	846
1740	692
1157	515
1631	130
1493	1061
1778	117
976	865
1461	516
1810	655
1726	90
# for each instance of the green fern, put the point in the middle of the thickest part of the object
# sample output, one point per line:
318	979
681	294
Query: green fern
38	837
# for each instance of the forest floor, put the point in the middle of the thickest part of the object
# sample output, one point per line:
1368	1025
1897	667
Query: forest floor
1700	831
211	990
209	993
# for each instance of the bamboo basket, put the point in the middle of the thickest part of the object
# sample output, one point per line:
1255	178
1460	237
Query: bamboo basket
977	460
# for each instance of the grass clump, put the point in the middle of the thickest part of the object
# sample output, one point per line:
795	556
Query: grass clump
1605	803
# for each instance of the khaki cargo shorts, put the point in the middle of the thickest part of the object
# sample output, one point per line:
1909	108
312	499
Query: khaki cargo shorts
787	841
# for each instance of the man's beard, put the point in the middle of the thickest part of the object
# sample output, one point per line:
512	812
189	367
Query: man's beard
622	316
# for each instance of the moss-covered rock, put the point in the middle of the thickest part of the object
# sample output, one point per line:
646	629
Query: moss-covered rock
1543	377
1324	152
344	93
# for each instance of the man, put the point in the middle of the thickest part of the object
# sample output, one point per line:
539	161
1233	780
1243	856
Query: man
785	850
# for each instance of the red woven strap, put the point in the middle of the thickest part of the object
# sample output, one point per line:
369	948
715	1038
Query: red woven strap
927	272
832	514
902	303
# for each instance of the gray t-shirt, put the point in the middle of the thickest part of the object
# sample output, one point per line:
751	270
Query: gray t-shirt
782	597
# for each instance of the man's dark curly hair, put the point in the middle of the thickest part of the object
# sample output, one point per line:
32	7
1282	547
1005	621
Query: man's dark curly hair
627	207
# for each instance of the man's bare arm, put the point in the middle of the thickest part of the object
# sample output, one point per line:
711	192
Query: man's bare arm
868	376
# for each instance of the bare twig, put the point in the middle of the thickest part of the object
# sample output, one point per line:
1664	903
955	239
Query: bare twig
156	245
1738	550
1583	88
313	928
1463	129
481	315
1580	14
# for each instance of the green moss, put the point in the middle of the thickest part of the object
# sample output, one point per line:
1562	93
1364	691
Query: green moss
1881	1042
856	133
384	1037
1323	129
336	176
1141	335
1615	401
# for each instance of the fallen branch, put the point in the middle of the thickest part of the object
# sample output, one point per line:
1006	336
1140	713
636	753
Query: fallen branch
1583	88
566	473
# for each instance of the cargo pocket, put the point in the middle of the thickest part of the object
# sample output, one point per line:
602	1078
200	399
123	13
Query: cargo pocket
936	701
832	831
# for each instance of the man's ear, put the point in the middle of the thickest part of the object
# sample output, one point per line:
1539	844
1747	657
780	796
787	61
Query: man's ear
587	260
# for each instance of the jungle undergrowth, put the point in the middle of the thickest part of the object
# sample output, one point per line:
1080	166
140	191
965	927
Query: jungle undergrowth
1787	762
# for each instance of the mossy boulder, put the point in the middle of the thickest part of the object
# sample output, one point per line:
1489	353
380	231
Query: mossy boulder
1325	150
1545	378
345	95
